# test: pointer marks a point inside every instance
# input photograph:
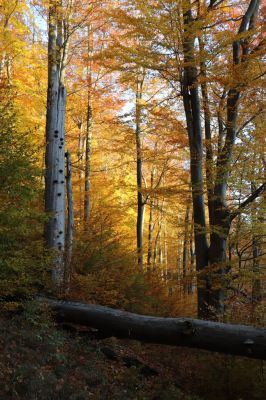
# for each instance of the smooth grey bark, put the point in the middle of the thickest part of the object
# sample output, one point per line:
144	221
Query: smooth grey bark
88	137
70	219
191	101
212	280
55	142
140	199
214	336
222	217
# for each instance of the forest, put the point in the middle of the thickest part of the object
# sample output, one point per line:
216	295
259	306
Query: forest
132	199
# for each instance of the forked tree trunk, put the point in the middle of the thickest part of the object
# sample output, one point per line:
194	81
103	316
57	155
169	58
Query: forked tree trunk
212	280
222	217
55	142
214	336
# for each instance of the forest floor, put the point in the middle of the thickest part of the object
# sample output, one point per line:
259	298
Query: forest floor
42	360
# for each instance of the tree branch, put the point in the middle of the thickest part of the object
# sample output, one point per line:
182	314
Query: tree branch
214	3
249	200
249	121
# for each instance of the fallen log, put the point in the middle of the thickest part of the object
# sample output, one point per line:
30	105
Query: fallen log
239	340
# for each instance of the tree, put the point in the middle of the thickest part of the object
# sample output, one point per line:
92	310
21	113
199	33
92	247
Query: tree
219	213
181	54
89	126
139	158
58	40
22	269
70	219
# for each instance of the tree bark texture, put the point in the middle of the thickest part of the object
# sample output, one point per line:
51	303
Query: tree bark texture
211	260
80	154
70	219
185	249
55	143
208	133
191	100
214	336
88	138
140	201
151	224
222	219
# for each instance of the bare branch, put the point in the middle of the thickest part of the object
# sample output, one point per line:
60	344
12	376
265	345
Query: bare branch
249	200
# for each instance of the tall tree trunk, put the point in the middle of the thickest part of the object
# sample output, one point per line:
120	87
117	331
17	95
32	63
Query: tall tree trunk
70	219
157	238
151	225
221	215
207	129
185	249
150	234
80	155
256	252
140	200
165	251
191	285
179	259
190	92
88	138
211	294
9	70
55	142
